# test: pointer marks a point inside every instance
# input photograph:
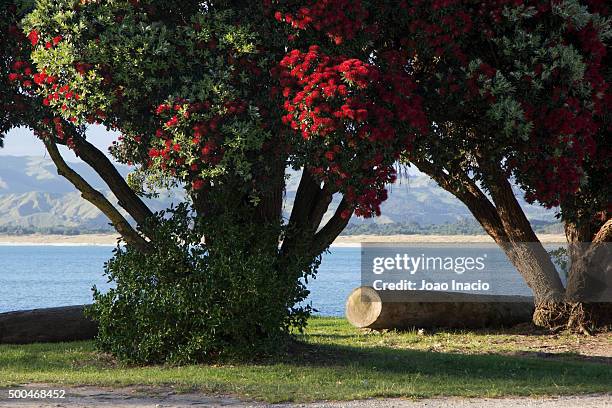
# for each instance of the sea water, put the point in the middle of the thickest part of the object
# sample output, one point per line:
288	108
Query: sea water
49	276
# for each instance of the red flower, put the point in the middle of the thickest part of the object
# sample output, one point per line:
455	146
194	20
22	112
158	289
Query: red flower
208	148
40	78
172	122
161	109
33	37
197	184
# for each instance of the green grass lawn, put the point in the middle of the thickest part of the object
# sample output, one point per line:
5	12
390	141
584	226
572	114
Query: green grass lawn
335	361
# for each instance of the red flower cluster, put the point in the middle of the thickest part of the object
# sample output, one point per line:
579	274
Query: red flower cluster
33	37
205	138
313	80
550	161
54	41
560	174
568	129
339	19
60	95
22	72
350	114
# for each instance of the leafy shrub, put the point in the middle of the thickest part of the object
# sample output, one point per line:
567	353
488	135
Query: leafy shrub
186	301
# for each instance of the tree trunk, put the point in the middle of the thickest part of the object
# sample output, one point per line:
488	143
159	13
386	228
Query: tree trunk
504	220
589	287
368	308
46	326
527	253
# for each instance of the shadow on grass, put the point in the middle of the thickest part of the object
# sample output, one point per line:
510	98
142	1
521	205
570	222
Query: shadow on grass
366	357
493	367
567	356
307	371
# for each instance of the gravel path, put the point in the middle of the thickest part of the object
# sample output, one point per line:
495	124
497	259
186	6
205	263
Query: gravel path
87	397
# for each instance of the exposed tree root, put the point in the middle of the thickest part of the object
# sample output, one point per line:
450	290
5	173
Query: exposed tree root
578	317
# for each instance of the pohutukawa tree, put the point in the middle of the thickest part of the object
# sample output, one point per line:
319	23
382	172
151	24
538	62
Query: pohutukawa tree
207	96
517	91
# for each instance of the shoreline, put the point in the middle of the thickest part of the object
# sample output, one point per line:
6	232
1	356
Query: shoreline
341	241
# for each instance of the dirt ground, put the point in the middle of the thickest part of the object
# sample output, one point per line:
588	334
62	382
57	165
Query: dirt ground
86	397
528	341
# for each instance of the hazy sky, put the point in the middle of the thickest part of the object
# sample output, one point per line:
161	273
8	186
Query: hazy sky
22	142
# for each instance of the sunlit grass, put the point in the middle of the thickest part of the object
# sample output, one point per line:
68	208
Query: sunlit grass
333	361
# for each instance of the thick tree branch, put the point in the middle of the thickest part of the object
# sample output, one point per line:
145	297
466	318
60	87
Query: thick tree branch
604	234
95	197
527	251
318	210
128	199
512	216
590	275
326	235
305	198
466	190
505	222
271	206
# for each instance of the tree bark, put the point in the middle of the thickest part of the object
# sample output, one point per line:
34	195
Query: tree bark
532	260
517	240
92	195
588	303
271	206
128	199
326	235
309	207
368	308
504	220
46	326
467	191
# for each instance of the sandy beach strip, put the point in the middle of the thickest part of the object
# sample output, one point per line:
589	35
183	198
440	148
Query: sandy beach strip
346	240
60	240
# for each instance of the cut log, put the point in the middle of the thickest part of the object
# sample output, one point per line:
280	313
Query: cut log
368	308
46	325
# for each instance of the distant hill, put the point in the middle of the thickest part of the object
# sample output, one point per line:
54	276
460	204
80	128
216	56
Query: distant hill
418	199
34	198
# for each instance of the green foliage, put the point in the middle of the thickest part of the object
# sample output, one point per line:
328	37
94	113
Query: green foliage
124	60
186	301
457	228
560	256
